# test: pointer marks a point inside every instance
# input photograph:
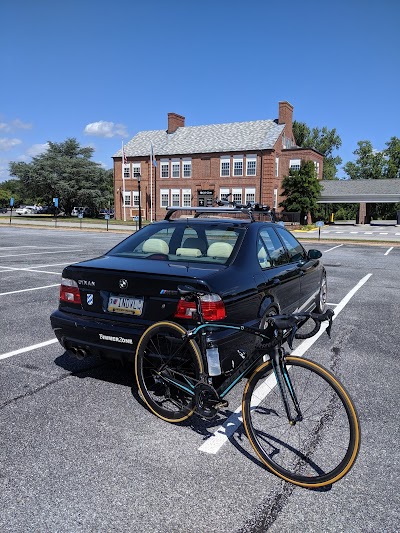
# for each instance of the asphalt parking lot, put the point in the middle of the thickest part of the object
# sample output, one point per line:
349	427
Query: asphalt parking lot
80	453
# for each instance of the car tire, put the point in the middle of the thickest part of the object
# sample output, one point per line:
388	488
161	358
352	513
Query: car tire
320	306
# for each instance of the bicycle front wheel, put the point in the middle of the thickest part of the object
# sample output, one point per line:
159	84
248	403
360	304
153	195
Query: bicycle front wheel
321	446
167	368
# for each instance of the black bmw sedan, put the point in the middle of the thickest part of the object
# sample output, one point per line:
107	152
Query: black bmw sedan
250	269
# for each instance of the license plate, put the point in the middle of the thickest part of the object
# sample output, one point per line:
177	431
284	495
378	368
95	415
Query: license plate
125	304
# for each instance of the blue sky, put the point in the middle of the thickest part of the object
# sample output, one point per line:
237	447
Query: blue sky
102	71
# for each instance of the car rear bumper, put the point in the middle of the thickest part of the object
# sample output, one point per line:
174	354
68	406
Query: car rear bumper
106	339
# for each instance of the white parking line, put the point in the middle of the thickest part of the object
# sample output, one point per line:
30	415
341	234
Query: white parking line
224	432
42	253
27	290
330	249
388	251
28	349
33	269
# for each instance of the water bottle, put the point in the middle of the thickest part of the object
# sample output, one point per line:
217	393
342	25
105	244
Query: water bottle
214	368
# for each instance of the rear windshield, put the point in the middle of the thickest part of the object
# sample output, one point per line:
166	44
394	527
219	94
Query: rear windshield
205	243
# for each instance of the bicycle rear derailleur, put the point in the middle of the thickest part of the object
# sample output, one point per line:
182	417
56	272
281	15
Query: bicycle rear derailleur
207	400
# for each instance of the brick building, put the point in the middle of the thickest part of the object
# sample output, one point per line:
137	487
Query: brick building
193	165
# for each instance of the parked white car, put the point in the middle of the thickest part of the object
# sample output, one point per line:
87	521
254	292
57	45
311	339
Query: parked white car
27	210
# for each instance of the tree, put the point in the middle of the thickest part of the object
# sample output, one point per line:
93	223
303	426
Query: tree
65	171
324	141
392	155
10	189
370	163
302	189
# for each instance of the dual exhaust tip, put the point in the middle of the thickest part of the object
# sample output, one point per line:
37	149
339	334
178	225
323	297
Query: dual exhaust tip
79	353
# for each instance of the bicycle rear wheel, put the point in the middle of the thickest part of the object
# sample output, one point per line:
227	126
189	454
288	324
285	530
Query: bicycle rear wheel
316	450
163	358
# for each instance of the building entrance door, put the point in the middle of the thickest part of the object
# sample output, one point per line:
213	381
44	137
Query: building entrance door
205	198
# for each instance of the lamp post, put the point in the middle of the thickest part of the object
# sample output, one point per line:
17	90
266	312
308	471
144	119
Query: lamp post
140	207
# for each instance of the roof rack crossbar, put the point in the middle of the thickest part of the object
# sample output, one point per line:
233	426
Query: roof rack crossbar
199	210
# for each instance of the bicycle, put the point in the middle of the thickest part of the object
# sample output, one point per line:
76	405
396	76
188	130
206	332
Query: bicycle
299	419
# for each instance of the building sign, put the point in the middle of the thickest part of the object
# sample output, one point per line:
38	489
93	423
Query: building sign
205	198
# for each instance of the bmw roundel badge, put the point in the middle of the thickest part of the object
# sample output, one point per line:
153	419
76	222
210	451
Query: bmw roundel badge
89	299
123	283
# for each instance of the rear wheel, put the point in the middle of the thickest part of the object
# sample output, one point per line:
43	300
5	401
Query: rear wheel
322	295
163	358
319	447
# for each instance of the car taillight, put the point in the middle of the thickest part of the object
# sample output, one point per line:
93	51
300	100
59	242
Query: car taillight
211	304
69	291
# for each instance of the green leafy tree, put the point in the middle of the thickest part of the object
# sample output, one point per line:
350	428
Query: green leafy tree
301	189
369	164
324	141
65	171
392	155
11	189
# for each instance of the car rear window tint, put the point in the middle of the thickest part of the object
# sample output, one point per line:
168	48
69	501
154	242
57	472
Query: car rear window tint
201	243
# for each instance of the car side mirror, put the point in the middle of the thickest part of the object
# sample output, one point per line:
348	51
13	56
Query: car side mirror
314	254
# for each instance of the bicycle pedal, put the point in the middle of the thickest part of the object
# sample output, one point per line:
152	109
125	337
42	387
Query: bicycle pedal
220	405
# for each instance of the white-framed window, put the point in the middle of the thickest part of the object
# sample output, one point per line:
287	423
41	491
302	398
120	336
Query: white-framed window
237	195
238	165
187	168
276	167
175	168
251	165
135	195
176	197
127	199
186	197
223	193
295	164
275	199
164	169
135	170
250	195
164	197
316	165
225	166
127	171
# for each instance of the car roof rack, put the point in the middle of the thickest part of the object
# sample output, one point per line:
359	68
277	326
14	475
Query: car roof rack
198	211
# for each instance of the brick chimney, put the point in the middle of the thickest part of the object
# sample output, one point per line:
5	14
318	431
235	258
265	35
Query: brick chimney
174	122
286	117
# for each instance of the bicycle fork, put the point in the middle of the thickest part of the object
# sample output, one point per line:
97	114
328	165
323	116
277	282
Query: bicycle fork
285	386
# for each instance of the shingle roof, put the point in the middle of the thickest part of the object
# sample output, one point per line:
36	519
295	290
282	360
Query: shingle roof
374	190
234	137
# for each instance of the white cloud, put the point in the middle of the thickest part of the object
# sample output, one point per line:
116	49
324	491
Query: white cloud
8	144
102	128
16	124
37	149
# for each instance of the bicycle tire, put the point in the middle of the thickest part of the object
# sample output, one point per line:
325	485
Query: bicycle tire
161	354
316	451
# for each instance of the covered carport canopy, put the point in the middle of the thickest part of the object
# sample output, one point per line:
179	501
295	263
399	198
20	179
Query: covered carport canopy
363	192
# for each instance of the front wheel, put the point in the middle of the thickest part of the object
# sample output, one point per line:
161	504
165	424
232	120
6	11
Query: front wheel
318	448
167	368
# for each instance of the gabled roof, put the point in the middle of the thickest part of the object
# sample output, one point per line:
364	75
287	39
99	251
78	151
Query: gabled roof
354	191
234	137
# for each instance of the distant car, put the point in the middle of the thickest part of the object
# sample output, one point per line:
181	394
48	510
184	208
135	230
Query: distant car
48	210
250	270
104	212
85	211
3	210
27	210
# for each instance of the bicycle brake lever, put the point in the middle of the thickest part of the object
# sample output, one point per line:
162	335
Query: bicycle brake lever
330	314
